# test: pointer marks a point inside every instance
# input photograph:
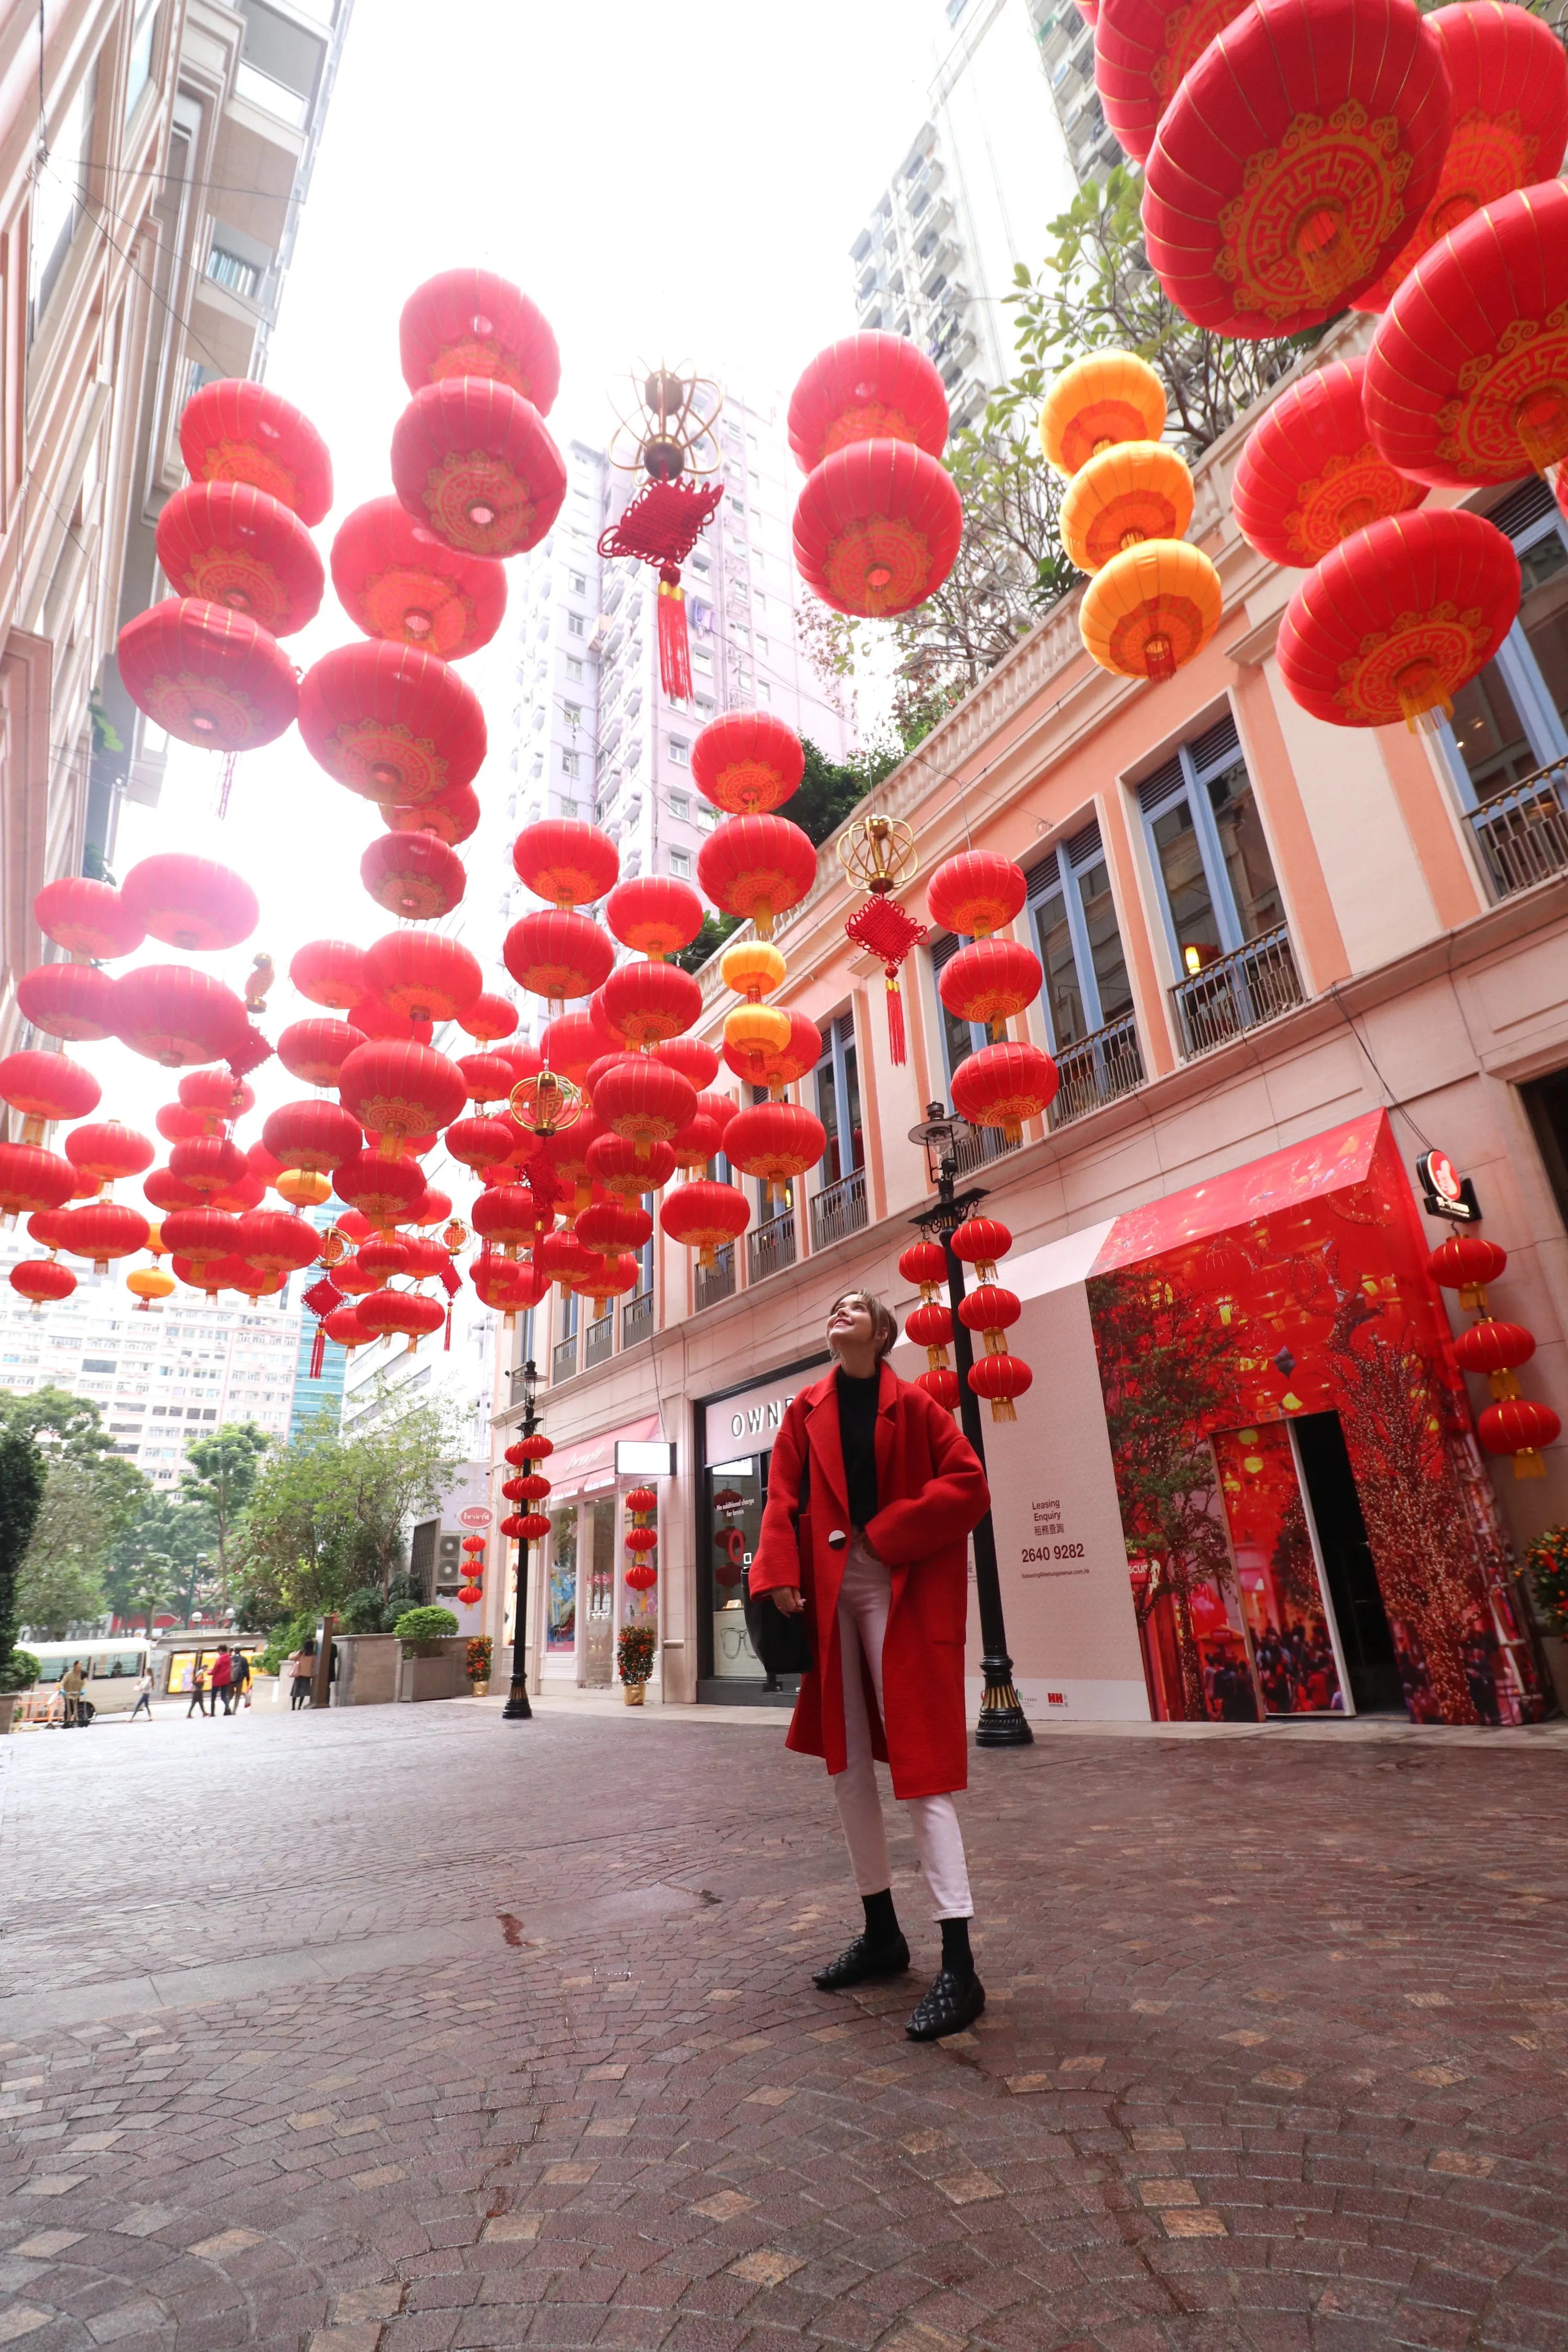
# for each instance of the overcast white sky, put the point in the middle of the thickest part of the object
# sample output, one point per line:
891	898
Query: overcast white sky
684	181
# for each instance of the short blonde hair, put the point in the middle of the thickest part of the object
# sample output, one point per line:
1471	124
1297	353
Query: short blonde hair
884	1322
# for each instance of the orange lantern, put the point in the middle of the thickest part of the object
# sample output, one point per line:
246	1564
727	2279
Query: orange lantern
1134	491
1099	400
1151	609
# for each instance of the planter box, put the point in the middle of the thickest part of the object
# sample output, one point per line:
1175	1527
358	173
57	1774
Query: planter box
10	1702
367	1669
437	1671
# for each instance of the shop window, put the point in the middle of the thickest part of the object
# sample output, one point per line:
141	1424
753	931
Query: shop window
561	1598
1546	1100
1208	851
1078	941
1512	719
838	1100
736	1492
598	1615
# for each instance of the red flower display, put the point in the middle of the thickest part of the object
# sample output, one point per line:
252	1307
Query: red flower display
558	955
86	917
74	1001
976	893
236	431
757	867
654	913
329	972
398	581
390	722
1311	472
315	1051
869	387
472	459
317	1136
877	528
1466	380
1397	617
645	1003
1294	161
990	980
1001	1086
191	903
747	763
398	1090
423	975
231	544
174	1015
208	675
468	322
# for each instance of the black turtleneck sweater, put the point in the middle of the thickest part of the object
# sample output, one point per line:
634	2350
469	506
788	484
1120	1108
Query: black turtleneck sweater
858	1438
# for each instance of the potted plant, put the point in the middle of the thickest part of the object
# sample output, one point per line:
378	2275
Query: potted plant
479	1664
634	1657
429	1663
421	1630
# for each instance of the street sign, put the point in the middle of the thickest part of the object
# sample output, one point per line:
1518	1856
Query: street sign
1446	1193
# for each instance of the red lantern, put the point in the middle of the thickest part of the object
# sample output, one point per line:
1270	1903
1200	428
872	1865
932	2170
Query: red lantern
1000	1378
644	1003
488	1077
747	763
469	322
698	1142
1497	1350
208	1164
382	1189
775	1141
1466	380
414	875
383	1311
509	1214
1510	82
423	975
398	581
979	1242
316	1136
1143	51
613	1225
345	1330
644	1102
869	387
603	1278
317	1050
43	1280
208	675
757	867
531	1448
106	1151
233	430
392	722
976	893
396	1091
202	1237
329	972
491	1018
628	1168
161	1189
472	460
925	1264
1293	160
378	1259
378	1021
557	956
276	1243
570	1045
642	1576
565	861
1310	474
991	1311
32	1178
216	1096
189	902
532	1526
176	1014
1397	618
1520	1427
44	1088
655	914
508	1284
75	1001
641	1539
1466	1263
940	1384
877	528
1001	1086
231	544
930	1327
990	980
86	917
481	1142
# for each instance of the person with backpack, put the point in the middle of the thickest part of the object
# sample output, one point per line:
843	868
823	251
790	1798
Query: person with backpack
239	1682
221	1679
872	1493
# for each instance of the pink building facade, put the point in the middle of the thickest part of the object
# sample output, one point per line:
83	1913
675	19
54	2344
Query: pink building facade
1258	932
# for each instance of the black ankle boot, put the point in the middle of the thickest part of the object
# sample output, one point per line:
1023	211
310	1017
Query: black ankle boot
863	1961
952	2003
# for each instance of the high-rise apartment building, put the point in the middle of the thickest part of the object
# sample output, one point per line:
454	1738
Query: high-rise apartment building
995	161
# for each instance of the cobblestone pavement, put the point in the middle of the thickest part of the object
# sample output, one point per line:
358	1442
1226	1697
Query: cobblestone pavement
408	2030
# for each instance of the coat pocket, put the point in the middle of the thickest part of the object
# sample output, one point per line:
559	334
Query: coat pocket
941	1597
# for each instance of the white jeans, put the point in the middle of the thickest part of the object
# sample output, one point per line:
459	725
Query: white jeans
863	1600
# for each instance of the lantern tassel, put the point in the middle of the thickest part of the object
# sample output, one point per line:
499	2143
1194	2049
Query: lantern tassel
674	644
447	1342
318	1351
897	1046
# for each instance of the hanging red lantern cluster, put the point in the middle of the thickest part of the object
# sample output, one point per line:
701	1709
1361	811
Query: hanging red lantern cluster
997	1375
878	522
472	1587
990	980
924	1263
471	459
1512	1423
641	1506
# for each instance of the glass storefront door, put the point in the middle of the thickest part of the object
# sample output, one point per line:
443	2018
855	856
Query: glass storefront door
561	1598
599	1620
736	1493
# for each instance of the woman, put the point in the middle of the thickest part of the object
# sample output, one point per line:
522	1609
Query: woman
304	1665
871	1494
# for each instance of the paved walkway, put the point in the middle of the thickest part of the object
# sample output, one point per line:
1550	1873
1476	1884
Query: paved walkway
403	2029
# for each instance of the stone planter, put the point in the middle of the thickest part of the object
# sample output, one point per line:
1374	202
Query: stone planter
634	1692
433	1669
367	1669
10	1702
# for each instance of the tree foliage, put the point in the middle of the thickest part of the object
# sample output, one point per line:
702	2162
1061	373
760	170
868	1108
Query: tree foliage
225	1463
90	1494
164	1558
21	1495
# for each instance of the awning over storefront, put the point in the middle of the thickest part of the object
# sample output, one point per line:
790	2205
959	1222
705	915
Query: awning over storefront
592	1462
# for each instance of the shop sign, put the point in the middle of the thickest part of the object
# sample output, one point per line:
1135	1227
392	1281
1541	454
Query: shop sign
474	1515
574	1468
1445	1193
748	1423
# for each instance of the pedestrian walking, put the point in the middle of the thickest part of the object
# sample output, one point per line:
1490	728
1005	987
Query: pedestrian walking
871	1494
71	1682
144	1695
222	1679
198	1704
239	1681
304	1668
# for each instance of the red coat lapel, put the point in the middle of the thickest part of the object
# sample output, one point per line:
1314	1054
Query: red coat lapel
822	1437
886	1437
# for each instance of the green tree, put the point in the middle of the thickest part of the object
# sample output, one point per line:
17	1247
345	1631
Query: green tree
143	1590
225	1463
21	1492
181	1534
90	1494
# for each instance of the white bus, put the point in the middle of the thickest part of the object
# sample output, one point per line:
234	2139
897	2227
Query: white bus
112	1667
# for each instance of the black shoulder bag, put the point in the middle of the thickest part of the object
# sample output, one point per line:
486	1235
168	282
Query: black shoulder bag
781	1643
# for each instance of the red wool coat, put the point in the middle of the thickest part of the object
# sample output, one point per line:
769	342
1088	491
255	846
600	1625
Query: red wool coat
931	1491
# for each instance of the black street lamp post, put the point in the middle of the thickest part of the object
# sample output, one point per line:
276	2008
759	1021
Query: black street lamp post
517	1709
1003	1723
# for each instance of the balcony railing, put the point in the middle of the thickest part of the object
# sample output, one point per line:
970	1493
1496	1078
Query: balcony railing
599	1341
1523	832
770	1247
1098	1068
563	1359
1236	992
637	1318
977	1147
717	1281
837	1210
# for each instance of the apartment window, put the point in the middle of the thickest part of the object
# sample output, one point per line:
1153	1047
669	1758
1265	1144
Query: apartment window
680	806
959	1038
572	712
1207	843
138	70
838	1100
228	269
59	194
573	666
574	625
680	863
569	763
680	753
579	580
1078	941
1514	718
